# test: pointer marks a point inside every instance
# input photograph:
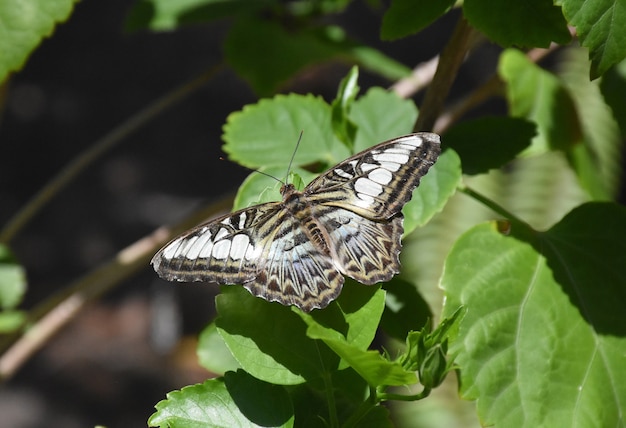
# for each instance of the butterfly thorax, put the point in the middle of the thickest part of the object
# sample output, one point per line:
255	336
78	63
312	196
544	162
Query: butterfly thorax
296	204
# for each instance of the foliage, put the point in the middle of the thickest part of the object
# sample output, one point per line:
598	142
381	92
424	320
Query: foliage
532	318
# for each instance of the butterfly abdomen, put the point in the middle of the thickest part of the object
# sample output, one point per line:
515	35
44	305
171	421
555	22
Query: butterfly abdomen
309	229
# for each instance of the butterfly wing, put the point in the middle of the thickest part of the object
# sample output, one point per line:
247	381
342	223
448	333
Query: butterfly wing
295	271
359	203
227	250
377	182
365	250
264	248
347	221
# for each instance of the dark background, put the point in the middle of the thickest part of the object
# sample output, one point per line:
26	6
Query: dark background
121	356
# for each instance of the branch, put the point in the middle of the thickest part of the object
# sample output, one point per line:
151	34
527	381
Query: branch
420	78
54	313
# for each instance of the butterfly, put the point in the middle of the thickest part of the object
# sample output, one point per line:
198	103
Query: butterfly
348	221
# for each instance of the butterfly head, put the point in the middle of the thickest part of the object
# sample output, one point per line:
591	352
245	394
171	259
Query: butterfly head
287	189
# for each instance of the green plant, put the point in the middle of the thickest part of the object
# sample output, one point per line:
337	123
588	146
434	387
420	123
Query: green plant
527	245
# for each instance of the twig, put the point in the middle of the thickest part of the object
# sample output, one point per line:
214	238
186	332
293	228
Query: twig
451	59
492	86
478	96
101	146
48	318
420	78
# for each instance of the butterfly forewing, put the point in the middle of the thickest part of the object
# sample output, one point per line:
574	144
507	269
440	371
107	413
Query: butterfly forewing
377	182
347	221
227	250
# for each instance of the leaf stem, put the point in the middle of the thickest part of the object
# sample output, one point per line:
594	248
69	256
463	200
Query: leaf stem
401	397
96	150
498	209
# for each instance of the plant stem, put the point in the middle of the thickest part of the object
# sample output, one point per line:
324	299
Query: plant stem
498	209
401	397
452	57
95	151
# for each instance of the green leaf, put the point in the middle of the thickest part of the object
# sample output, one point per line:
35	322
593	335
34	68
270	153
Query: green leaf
537	95
601	27
11	321
588	263
543	340
238	400
283	52
375	61
613	87
489	142
356	318
12	280
213	354
263	403
343	128
265	134
258	188
381	115
371	365
405	17
435	188
529	23
23	24
601	153
269	340
164	15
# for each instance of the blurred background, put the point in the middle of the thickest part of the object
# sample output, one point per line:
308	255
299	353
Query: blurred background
121	355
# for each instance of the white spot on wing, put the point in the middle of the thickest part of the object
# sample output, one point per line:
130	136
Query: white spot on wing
400	158
221	234
368	187
199	248
411	140
368	166
239	246
380	176
364	200
252	253
242	220
390	166
341	173
172	250
221	249
188	244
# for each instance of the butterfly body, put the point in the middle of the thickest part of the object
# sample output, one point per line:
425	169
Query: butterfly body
348	221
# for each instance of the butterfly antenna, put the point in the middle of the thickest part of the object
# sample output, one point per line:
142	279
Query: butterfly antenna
293	156
260	172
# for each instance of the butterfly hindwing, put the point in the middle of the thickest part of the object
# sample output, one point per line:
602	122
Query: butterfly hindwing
365	250
347	221
296	271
